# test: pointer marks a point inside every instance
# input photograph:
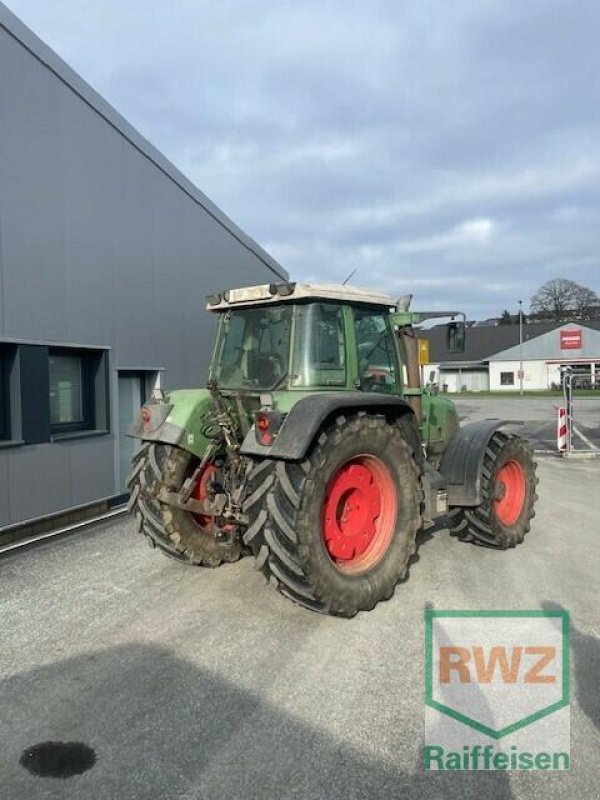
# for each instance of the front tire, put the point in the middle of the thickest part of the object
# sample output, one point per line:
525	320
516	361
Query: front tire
336	531
179	534
508	492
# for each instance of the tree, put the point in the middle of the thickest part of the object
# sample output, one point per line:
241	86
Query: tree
587	303
507	318
560	299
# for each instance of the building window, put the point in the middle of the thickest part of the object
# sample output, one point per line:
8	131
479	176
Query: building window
71	391
507	379
4	395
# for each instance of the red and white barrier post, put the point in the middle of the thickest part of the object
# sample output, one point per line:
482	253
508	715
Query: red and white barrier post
561	430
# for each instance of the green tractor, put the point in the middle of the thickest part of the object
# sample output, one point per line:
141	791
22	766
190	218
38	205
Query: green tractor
316	448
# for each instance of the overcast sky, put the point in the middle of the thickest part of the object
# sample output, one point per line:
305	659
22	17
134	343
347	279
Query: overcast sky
449	149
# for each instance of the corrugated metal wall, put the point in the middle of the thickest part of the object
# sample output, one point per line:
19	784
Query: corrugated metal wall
102	242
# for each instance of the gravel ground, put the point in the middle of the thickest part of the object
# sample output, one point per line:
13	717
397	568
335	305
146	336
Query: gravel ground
192	683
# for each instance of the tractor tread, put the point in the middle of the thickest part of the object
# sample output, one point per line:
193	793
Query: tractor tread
282	523
172	530
479	524
256	527
139	465
279	552
287	531
258	493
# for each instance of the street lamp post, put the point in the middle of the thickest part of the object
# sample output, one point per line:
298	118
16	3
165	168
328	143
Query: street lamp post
521	347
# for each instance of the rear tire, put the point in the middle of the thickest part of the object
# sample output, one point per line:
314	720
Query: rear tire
177	533
508	492
336	531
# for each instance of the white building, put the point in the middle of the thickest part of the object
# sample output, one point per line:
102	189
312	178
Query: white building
493	356
574	344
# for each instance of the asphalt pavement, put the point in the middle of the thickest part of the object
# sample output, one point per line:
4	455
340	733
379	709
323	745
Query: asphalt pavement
193	683
538	417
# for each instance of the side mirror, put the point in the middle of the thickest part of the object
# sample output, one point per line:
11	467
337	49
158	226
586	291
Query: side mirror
456	332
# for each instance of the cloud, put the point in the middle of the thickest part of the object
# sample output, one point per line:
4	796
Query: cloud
478	231
449	148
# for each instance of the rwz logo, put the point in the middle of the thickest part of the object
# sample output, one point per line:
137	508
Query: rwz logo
496	672
506	664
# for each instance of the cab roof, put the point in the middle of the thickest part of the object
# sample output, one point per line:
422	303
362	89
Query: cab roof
267	294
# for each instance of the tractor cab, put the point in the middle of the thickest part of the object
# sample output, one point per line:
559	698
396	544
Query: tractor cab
305	337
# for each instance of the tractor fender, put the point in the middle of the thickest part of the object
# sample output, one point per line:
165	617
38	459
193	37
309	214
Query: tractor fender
304	420
180	421
151	425
462	460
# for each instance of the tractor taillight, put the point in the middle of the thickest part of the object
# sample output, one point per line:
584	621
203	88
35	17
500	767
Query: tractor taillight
266	425
146	419
263	434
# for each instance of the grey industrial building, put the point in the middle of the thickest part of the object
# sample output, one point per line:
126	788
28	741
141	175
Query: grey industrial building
106	254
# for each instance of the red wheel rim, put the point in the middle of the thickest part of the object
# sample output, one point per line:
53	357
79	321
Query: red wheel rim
359	514
509	493
201	493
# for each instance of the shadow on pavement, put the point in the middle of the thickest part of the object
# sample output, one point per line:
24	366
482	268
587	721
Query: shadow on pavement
585	651
163	728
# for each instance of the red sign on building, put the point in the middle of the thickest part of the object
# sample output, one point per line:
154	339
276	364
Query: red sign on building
571	339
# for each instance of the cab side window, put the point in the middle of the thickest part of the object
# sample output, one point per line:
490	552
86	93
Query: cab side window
375	351
319	351
328	344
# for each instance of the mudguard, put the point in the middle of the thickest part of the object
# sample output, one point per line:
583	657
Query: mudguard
306	417
462	461
179	421
151	424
